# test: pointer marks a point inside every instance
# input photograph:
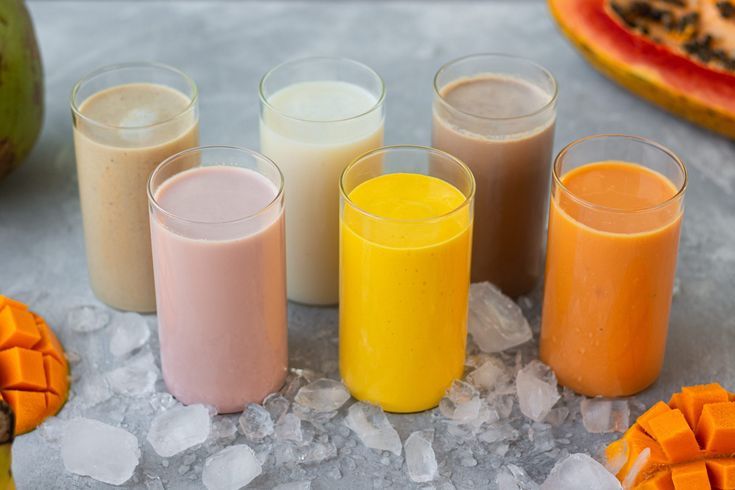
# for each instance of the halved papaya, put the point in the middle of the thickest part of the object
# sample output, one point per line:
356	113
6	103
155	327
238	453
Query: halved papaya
676	54
34	373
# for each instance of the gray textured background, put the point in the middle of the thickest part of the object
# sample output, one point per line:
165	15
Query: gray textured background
227	46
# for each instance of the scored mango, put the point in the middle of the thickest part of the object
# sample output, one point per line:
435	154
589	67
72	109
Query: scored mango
34	372
686	444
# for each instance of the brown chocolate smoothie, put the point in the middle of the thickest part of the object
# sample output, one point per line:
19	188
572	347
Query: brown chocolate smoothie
503	128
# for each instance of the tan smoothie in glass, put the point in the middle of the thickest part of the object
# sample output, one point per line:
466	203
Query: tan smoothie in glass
121	133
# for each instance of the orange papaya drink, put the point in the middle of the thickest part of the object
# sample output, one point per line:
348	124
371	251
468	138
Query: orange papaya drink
616	210
405	245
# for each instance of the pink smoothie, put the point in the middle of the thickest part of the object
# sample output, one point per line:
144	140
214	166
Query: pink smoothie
220	286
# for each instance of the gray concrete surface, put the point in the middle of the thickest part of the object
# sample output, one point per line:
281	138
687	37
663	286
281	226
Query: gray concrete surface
226	47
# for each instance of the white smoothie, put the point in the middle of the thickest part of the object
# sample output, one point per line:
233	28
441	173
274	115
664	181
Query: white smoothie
312	130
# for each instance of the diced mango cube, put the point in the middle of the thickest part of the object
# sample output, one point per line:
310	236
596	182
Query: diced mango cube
659	408
691	476
674	435
695	397
659	481
722	473
636	441
53	404
716	430
5	301
29	408
22	369
56	376
49	345
676	401
17	328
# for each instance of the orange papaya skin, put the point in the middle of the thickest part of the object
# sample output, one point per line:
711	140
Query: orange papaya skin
703	95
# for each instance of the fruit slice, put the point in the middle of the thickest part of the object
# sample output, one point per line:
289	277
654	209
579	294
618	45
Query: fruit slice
695	397
676	457
672	53
716	430
34	372
722	473
691	476
671	431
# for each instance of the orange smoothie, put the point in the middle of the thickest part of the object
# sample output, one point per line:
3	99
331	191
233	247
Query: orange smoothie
611	258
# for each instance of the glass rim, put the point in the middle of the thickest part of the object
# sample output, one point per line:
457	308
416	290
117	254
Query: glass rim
468	198
252	153
310	59
630	138
550	103
194	98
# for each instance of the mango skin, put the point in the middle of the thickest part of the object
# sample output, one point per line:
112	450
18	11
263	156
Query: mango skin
21	85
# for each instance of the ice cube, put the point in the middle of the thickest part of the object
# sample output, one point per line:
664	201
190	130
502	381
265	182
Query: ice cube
85	319
139	117
136	378
541	437
288	428
536	390
461	403
106	453
255	422
292	385
277	405
231	468
580	472
92	390
223	428
296	485
495	321
373	428
179	428
130	332
420	457
513	477
162	401
601	416
498	433
489	375
557	416
323	395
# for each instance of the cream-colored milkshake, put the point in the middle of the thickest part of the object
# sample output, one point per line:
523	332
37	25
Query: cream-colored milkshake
312	129
120	134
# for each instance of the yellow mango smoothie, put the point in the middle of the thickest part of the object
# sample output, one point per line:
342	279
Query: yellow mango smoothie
405	246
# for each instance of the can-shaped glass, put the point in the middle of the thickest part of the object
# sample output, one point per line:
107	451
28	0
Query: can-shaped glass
405	245
497	114
317	115
217	231
127	119
617	204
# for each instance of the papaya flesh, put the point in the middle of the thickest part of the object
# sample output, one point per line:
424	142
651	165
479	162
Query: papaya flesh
675	79
21	85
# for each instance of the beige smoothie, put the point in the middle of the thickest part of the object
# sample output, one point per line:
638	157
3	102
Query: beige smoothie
120	134
476	119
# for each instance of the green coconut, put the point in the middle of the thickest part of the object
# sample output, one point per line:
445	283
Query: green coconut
21	85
